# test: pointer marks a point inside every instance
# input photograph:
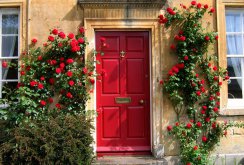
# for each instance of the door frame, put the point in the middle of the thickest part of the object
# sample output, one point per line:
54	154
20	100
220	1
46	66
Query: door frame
156	104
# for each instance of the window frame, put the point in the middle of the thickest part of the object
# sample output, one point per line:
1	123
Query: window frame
9	11
229	107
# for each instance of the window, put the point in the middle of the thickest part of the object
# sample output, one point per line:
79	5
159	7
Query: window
9	47
235	55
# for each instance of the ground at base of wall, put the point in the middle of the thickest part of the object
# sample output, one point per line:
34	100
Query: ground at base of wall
230	159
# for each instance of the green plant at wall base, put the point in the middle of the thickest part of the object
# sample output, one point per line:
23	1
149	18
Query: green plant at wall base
60	140
193	84
53	79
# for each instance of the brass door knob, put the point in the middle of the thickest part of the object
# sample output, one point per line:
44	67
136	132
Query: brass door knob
141	101
122	54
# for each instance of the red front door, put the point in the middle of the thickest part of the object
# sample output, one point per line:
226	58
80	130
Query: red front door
123	94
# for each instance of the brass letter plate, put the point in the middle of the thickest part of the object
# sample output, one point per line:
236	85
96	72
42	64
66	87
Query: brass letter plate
122	100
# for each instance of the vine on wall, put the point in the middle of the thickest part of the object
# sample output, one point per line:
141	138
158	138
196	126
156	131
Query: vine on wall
193	84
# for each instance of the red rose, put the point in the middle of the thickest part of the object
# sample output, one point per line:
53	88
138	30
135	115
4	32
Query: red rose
181	65
69	61
214	125
207	119
212	10
175	69
50	100
161	82
81	30
90	73
169	128
22	73
177	38
58	70
39	58
92	81
204	139
75	49
172	47
45	44
181	32
171	73
85	70
69	74
102	39
188	163
204	107
60	45
211	98
69	95
203	112
199	5
197	75
42	78
193	3
205	6
62	65
51	81
43	103
227	77
4	64
199	124
207	38
182	38
61	59
55	31
51	38
209	64
33	83
20	85
71	83
34	40
215	68
195	148
216	78
218	93
177	124
218	103
216	37
215	109
58	106
203	90
186	58
81	40
61	35
40	86
220	83
198	93
71	36
188	125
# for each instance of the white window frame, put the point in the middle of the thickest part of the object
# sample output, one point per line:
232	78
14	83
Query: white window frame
2	12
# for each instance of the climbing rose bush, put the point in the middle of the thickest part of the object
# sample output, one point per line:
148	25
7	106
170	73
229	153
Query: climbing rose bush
193	84
54	78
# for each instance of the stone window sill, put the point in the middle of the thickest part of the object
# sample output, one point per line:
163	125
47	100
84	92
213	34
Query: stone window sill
235	111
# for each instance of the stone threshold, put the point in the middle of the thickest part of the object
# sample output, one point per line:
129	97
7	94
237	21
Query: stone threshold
219	159
134	160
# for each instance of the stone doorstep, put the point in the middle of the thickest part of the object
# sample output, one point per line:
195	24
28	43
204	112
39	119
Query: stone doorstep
134	160
222	159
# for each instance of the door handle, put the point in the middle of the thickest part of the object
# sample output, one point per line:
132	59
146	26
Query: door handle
122	54
141	101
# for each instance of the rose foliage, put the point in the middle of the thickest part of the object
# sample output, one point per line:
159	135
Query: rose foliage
193	84
53	79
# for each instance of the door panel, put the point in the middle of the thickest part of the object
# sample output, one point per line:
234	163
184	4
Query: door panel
123	127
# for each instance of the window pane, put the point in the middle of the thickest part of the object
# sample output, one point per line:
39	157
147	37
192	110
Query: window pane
234	45
235	89
10	24
6	86
10	72
233	22
234	67
10	46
